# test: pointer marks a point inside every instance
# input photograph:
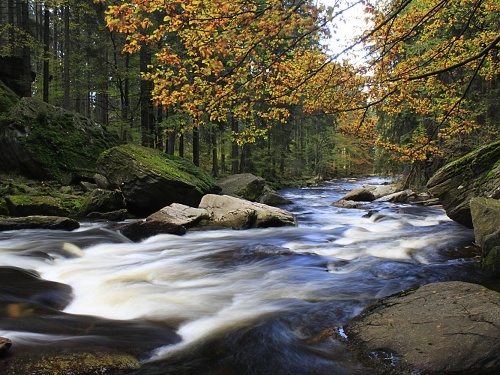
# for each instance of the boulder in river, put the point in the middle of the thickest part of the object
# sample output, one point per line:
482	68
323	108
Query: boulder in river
243	185
440	328
273	199
476	174
485	214
150	179
140	230
232	212
180	214
38	222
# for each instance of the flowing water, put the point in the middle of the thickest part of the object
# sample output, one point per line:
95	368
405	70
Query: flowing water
258	301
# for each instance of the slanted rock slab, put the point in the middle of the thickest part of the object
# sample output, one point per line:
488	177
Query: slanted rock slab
180	214
38	222
440	328
232	212
140	230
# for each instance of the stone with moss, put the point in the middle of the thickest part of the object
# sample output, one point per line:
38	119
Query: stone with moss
476	174
150	180
50	143
57	205
8	99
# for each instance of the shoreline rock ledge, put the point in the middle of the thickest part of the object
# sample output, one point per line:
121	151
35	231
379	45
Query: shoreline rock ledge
440	328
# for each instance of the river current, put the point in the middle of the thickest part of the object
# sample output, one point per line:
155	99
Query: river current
258	301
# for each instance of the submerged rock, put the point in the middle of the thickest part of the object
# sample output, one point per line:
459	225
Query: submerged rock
440	328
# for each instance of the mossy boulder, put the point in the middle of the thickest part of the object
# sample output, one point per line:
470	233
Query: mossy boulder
100	200
486	219
150	179
56	205
8	99
476	174
50	143
243	185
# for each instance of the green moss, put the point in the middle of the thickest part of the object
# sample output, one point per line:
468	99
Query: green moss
56	204
173	168
78	363
491	263
8	99
62	143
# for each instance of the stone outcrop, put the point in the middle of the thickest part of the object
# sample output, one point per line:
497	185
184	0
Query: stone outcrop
49	143
150	180
477	174
232	212
441	328
243	185
38	222
485	213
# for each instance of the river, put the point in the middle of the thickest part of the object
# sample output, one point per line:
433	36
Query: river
258	301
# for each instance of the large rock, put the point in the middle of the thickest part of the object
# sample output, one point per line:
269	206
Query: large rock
180	214
49	143
486	220
233	212
150	180
243	185
477	174
140	230
101	201
441	328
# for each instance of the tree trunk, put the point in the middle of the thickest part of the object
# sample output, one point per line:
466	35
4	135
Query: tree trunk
181	145
234	148
46	54
145	98
215	161
196	146
66	72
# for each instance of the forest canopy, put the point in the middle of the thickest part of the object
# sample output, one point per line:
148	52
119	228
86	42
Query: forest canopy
251	85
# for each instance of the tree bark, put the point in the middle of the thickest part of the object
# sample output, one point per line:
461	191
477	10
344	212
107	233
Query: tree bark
46	47
66	69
